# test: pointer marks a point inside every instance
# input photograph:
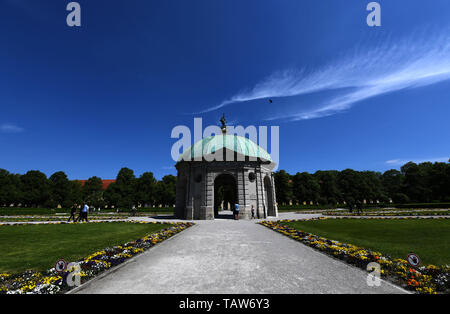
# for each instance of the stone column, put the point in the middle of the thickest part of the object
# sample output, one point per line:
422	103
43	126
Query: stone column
209	193
261	194
274	196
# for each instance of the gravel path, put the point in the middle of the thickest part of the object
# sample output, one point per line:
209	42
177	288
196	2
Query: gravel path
227	256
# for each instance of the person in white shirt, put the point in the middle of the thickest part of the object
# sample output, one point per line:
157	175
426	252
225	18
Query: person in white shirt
85	212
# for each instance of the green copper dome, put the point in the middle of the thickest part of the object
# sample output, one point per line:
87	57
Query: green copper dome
239	144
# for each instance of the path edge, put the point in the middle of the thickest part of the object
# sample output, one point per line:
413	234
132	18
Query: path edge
341	261
118	267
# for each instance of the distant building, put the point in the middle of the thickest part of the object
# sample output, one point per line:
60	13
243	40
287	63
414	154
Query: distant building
105	183
246	178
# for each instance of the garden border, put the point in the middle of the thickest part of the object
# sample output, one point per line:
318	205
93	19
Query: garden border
142	245
120	266
393	267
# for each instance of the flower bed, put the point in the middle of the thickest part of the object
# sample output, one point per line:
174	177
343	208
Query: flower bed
51	282
62	219
393	213
428	279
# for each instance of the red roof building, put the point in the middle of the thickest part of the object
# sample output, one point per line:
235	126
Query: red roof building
105	183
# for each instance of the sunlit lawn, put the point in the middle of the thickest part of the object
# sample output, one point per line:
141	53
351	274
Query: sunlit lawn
38	247
429	238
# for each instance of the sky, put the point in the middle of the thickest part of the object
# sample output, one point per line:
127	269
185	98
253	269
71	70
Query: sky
90	100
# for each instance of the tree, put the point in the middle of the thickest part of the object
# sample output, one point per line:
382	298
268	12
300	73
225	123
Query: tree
125	187
10	188
400	198
60	189
439	181
329	188
416	186
111	195
305	188
283	187
374	186
166	190
145	189
76	192
350	184
392	181
35	188
92	192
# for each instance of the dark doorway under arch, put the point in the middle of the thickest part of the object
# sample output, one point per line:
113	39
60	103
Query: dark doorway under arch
225	194
269	196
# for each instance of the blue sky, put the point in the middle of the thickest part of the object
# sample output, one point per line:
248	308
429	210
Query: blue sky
91	100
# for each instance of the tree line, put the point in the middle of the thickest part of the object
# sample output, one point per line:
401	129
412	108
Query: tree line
34	189
424	183
416	183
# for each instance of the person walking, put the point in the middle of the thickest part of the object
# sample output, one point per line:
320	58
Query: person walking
350	206
236	211
80	214
133	211
73	210
253	212
359	207
85	213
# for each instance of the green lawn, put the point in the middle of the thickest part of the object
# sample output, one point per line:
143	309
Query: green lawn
12	211
38	247
430	238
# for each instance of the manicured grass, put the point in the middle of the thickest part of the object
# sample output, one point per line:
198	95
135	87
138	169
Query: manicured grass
397	212
429	238
38	247
12	211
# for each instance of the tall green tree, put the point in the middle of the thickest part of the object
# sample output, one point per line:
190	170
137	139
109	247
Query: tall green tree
392	181
10	188
126	185
329	189
76	192
92	192
416	184
60	189
166	191
145	189
112	195
35	188
283	187
305	188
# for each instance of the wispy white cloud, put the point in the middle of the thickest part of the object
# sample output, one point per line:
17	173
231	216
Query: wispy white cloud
10	128
418	61
400	162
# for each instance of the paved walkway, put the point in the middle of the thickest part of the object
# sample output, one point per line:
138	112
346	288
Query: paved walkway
227	256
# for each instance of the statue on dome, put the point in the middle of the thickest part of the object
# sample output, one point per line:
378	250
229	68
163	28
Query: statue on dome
224	126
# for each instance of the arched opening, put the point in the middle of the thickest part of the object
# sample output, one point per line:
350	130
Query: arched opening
225	196
269	196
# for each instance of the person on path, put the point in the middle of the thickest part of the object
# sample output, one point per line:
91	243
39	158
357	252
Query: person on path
236	211
73	210
359	207
350	206
80	214
133	211
85	213
253	212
